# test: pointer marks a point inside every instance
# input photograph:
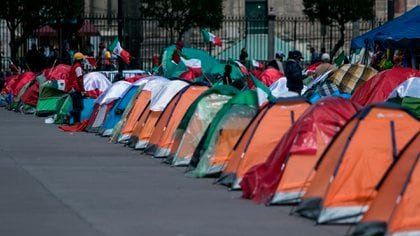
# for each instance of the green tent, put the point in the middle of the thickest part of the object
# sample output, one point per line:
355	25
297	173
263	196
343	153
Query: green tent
51	96
223	133
196	120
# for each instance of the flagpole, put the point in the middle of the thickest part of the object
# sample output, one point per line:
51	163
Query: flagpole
120	35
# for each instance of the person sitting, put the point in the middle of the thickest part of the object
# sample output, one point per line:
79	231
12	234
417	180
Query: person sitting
324	66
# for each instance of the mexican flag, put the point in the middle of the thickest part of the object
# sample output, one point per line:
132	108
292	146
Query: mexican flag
193	65
241	66
263	93
116	49
209	37
339	60
257	64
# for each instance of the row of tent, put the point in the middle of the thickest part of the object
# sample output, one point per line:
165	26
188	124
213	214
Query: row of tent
331	155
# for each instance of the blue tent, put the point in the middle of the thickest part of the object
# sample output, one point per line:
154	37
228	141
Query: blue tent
114	115
402	32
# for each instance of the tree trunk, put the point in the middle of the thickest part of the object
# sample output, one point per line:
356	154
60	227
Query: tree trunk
171	35
180	34
340	42
13	45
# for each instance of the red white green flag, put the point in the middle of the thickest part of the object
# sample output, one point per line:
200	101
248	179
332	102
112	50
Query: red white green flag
194	65
241	66
257	64
116	49
263	93
209	37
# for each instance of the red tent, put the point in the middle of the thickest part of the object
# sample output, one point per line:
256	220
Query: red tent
305	141
378	88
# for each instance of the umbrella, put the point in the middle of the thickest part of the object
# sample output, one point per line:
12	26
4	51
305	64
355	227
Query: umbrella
88	29
45	31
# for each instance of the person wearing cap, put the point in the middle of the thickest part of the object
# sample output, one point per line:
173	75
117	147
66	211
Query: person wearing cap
324	66
277	63
293	72
76	87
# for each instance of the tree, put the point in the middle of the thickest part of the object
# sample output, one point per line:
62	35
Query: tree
337	13
24	16
178	16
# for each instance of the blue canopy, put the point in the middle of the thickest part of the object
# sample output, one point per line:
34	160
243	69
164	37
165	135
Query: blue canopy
402	32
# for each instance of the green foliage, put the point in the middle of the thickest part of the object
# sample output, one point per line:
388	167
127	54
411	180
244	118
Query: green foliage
330	12
178	16
30	15
337	13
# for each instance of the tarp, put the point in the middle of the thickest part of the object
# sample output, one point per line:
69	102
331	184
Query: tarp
95	83
113	92
402	32
162	97
349	77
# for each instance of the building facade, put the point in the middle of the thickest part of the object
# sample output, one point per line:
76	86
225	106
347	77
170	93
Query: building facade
294	8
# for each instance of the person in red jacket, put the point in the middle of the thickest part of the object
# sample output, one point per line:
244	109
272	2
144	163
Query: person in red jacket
77	89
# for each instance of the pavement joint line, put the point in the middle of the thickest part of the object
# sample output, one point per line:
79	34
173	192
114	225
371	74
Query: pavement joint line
67	206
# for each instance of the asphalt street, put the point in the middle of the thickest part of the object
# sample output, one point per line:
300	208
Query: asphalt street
59	183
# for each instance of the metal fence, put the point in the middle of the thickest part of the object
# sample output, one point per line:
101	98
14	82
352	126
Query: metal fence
143	38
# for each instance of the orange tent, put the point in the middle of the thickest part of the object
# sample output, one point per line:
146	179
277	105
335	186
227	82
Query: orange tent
141	103
283	176
195	122
140	107
395	207
260	138
162	138
160	98
355	162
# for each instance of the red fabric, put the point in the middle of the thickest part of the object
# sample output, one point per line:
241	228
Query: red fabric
188	75
175	56
58	72
31	95
311	68
21	81
378	88
326	116
93	93
73	80
136	77
10	81
269	76
91	61
74	128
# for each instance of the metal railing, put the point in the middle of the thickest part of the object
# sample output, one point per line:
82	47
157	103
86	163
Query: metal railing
143	38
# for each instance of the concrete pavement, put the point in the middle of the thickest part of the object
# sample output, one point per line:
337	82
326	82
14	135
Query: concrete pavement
58	183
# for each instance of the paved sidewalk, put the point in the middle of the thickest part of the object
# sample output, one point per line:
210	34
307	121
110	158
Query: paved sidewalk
58	183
